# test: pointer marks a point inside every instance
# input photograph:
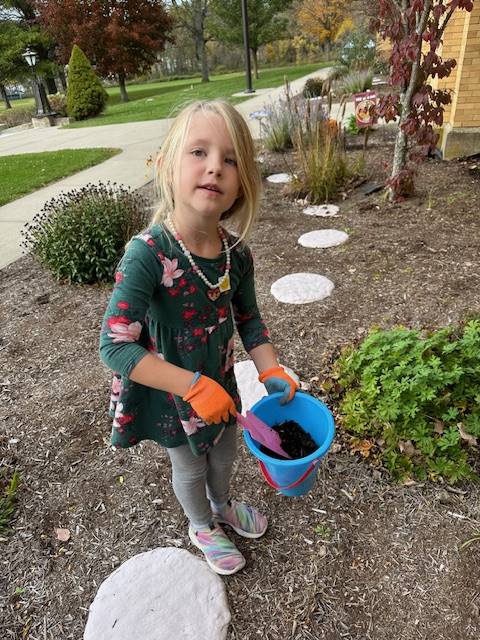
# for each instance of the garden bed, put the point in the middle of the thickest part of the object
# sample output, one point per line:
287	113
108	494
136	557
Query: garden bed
358	557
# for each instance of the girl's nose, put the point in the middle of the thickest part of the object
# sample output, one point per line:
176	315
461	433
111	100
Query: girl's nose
215	165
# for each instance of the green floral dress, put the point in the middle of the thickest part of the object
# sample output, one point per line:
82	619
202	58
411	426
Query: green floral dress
160	305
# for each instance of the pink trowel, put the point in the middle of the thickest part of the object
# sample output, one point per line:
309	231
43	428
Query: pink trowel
262	433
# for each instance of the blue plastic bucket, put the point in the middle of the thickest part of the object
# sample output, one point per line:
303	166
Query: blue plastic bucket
293	477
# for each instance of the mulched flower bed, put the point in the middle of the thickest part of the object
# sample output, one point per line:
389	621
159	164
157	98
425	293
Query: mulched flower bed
357	557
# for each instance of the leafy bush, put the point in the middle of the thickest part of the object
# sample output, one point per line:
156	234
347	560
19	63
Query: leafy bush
17	115
58	102
86	97
81	235
352	126
354	82
414	398
313	88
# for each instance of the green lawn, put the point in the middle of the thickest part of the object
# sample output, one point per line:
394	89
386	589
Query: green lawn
26	172
160	99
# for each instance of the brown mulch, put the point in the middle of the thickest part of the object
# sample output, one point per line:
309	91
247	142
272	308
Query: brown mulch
358	558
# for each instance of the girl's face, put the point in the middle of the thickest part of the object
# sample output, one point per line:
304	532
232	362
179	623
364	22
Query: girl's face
207	182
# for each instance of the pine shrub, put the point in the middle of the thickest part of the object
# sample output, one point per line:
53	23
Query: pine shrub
80	235
86	97
411	400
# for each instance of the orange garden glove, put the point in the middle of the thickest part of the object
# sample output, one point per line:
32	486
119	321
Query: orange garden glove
210	400
275	379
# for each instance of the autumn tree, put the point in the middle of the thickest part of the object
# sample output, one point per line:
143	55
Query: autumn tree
265	23
122	37
415	29
323	20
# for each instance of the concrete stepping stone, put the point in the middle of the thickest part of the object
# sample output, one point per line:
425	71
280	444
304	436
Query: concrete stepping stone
162	594
301	288
249	388
322	210
322	239
280	178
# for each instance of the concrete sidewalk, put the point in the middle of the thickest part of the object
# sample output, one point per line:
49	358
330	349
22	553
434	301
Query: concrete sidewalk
138	141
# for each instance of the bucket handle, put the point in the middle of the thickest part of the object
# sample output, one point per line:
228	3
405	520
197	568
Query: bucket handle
274	485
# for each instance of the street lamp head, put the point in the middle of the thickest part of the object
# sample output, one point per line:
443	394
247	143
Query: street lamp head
30	56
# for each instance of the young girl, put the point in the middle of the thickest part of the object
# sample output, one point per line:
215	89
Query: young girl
168	329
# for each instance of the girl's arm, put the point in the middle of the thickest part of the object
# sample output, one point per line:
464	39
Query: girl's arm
264	357
159	374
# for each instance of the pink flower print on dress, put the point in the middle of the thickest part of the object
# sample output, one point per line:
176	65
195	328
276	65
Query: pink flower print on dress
170	271
118	277
115	392
122	330
192	426
121	419
146	237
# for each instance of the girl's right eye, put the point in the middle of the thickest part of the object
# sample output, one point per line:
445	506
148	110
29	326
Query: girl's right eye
198	153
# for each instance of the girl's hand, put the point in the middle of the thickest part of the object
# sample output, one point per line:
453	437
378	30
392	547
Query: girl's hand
210	401
275	379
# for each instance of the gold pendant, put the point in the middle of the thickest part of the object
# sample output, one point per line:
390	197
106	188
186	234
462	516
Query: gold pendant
224	283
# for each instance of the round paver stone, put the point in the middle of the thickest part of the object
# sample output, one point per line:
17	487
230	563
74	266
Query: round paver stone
322	210
322	239
249	387
300	288
162	594
279	177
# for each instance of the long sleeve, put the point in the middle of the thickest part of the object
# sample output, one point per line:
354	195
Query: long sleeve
124	336
248	320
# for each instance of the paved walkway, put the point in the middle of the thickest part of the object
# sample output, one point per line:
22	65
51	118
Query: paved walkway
138	141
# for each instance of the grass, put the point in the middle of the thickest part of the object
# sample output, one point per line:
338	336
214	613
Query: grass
159	99
23	173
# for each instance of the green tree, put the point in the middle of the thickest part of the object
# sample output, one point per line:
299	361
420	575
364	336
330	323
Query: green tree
85	95
192	16
265	23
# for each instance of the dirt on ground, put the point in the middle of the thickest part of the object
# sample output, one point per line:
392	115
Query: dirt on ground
358	557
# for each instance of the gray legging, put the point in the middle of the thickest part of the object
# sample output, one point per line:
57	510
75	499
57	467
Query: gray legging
198	479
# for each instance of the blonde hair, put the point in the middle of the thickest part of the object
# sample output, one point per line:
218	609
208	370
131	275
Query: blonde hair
244	210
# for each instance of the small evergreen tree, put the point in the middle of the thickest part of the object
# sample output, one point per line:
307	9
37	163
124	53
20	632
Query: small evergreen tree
86	97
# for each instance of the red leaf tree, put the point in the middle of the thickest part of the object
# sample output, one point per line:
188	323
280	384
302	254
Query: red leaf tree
415	29
122	37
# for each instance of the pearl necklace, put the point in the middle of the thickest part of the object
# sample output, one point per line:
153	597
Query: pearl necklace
223	283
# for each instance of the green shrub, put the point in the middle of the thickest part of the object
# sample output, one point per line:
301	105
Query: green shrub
416	399
17	115
313	88
7	504
354	82
81	235
357	49
86	97
58	102
352	126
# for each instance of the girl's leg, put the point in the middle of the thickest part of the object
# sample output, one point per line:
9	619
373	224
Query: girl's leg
243	519
220	461
189	475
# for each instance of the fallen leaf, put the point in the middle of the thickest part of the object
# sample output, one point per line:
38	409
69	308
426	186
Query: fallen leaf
439	427
62	534
362	446
471	440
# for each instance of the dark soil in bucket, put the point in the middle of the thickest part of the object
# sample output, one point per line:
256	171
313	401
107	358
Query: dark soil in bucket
294	440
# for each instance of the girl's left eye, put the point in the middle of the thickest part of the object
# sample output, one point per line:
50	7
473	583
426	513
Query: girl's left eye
231	161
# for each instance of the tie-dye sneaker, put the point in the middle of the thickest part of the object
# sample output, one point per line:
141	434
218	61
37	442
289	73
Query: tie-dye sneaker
220	553
243	519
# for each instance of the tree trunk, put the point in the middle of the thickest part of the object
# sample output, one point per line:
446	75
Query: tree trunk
123	89
3	93
255	62
63	79
200	44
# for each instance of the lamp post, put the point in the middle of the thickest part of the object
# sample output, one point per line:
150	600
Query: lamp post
246	44
41	100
